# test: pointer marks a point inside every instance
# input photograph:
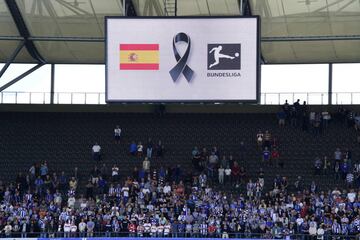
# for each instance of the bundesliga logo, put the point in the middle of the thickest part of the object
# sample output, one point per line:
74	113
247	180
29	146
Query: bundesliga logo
223	56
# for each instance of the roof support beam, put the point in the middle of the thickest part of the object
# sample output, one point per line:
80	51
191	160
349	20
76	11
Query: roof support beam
52	84
330	84
130	8
15	80
310	38
263	39
12	57
23	30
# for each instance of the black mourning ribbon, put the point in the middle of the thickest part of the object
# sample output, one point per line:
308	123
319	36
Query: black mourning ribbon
181	66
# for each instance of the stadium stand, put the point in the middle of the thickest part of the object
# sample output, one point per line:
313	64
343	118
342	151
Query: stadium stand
26	137
64	141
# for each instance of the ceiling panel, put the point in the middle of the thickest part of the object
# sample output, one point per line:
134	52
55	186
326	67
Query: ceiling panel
7	25
8	47
279	18
71	52
311	51
68	18
309	18
188	7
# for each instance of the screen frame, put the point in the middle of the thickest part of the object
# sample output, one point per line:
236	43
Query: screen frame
258	62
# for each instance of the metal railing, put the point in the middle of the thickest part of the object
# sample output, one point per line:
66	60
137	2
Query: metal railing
98	98
59	98
177	235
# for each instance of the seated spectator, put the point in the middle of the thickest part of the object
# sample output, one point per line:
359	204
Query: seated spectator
351	196
204	157
299	184
160	149
317	166
215	151
115	173
313	187
133	148
275	155
221	173
259	138
228	175
266	155
177	173
293	116
96	152
326	117
337	155
117	134
327	165
235	174
196	158
242	175
317	124
232	160
139	149
39	184
146	165
149	149
44	170
281	117
94	175
102	185
203	180
267	139
349	179
337	170
213	159
73	183
345	168
223	162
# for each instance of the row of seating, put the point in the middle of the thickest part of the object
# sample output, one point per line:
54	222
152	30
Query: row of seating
64	140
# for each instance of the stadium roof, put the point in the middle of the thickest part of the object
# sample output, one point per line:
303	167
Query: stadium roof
72	31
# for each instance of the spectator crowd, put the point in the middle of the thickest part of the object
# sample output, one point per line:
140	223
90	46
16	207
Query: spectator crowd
167	202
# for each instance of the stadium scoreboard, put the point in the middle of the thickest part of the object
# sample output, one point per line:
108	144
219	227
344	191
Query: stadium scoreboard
182	59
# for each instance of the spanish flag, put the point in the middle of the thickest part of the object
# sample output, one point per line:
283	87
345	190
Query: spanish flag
139	56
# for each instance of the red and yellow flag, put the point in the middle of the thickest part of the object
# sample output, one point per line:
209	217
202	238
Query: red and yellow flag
139	56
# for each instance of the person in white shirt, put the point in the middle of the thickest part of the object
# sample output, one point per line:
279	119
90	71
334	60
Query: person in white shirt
82	228
227	174
312	227
96	152
349	179
125	191
320	233
73	229
71	202
153	230
167	229
67	229
259	138
7	230
115	173
167	189
351	195
117	134
147	229
160	230
140	149
146	165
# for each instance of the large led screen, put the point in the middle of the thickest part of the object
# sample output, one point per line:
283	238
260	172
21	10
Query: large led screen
182	59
